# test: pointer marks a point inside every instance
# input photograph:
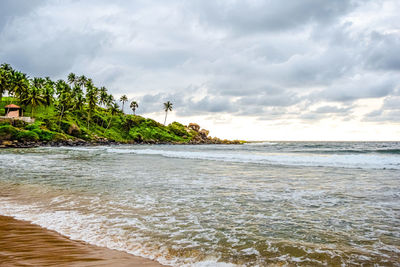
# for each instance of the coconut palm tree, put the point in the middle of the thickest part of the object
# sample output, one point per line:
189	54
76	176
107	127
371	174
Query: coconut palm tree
123	99
48	91
103	96
134	105
167	107
65	98
34	98
3	81
109	101
92	94
114	109
72	79
79	101
81	81
19	84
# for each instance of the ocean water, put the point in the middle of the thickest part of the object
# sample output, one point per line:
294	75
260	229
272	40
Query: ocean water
272	203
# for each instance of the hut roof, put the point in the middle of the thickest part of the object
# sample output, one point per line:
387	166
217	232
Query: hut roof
12	106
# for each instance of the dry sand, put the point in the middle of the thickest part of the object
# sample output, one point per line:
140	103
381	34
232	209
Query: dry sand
26	244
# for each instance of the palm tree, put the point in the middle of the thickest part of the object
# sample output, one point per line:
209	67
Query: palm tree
92	97
114	109
48	91
167	107
4	79
72	79
110	100
34	98
65	99
123	99
81	81
134	105
103	96
19	85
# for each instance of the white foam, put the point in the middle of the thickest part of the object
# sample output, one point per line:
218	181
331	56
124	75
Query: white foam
333	160
93	230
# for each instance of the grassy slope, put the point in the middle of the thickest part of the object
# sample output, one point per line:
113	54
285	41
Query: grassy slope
120	127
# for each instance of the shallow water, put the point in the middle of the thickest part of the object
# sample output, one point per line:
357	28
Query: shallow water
256	204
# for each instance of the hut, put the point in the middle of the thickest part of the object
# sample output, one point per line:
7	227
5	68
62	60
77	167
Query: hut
13	111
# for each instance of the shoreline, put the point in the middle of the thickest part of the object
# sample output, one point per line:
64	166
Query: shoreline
25	244
4	144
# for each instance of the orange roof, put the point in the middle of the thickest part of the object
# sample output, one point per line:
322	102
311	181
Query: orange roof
12	106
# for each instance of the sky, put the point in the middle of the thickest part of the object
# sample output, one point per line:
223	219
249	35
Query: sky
252	70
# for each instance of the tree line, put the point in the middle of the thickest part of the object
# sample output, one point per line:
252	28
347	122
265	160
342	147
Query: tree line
77	93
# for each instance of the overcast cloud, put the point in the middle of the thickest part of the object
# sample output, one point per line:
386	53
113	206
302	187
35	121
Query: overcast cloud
305	60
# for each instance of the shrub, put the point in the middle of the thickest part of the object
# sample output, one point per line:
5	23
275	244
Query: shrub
44	135
52	125
178	129
27	136
8	132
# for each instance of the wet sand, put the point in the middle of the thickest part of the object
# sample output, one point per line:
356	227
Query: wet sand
26	244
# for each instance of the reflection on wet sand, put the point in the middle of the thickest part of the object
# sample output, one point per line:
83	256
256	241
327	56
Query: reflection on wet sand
25	244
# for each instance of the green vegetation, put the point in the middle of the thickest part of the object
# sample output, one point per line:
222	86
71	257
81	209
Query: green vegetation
77	109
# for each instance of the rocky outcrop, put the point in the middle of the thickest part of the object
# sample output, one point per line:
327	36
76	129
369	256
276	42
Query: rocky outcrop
202	136
69	142
194	126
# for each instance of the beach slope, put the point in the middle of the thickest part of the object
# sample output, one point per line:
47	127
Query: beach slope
26	244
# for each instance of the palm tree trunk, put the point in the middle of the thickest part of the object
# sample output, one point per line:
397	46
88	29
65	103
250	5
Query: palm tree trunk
88	126
61	115
165	120
108	124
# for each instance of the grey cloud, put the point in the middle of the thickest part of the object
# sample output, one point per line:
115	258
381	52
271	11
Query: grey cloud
281	100
52	56
332	109
384	51
327	111
367	86
259	16
248	58
389	112
186	106
11	9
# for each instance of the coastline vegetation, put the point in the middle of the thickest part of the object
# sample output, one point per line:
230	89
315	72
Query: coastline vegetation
77	109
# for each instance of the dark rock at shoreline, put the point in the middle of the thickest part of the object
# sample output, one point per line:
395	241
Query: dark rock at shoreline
201	137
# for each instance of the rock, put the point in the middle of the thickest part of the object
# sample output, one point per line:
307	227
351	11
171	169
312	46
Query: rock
74	130
7	143
204	133
194	126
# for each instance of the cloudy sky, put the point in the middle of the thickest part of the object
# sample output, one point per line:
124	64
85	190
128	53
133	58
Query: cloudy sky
255	70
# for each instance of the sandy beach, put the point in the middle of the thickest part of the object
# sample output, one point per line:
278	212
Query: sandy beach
26	244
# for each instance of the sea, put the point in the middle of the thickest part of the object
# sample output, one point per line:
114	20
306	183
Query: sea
256	204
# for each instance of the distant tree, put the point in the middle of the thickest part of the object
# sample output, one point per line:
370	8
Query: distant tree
109	101
92	93
103	96
48	91
5	79
33	98
64	97
81	81
72	79
19	84
134	105
167	107
79	101
3	82
123	99
113	109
